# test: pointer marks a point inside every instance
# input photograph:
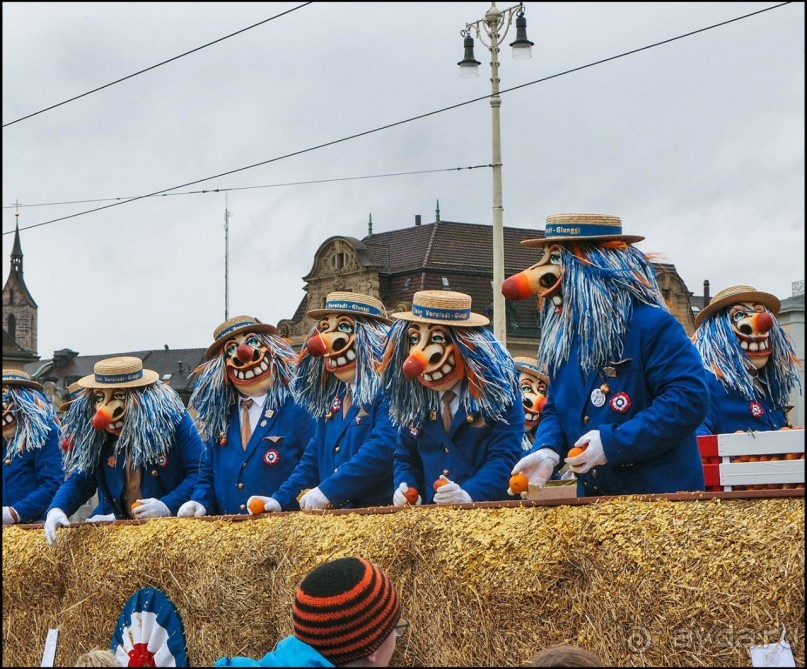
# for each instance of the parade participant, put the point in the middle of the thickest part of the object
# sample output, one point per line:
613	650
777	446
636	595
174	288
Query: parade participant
453	392
348	462
346	613
534	386
627	385
751	362
32	461
129	436
253	429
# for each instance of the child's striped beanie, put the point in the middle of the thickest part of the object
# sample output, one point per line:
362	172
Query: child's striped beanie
345	609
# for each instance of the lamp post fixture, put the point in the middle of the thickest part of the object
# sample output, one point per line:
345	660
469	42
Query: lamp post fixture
491	31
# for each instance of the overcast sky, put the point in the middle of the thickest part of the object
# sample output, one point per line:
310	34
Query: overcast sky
697	144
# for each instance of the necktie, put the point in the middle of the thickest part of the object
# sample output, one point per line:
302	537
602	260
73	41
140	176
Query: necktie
348	402
448	416
131	485
246	428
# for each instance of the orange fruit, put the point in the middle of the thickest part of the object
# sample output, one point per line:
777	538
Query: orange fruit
412	495
256	506
519	483
576	451
134	505
792	456
438	483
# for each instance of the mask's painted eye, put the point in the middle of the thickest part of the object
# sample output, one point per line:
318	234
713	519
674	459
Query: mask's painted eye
231	348
414	337
437	338
554	258
119	396
323	326
253	341
345	327
738	316
526	388
99	398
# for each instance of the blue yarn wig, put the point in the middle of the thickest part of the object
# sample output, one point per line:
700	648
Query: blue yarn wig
35	418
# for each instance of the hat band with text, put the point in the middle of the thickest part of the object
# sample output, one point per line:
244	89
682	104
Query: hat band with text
119	378
580	230
438	314
15	377
236	326
530	367
343	305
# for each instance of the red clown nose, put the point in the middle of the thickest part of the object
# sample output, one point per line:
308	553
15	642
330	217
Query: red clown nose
763	321
316	345
244	353
540	403
519	286
101	419
414	365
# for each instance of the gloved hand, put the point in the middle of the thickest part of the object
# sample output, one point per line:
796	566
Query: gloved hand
8	517
191	508
151	508
591	457
100	518
55	518
399	497
537	467
314	499
451	493
269	503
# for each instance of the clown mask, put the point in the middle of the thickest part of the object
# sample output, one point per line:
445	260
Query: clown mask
248	364
433	357
110	409
752	323
542	279
533	396
9	421
334	340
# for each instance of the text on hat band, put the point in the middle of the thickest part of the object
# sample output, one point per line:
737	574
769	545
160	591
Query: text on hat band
236	326
119	378
353	306
441	314
581	230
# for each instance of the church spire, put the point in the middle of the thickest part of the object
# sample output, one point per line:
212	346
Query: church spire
16	250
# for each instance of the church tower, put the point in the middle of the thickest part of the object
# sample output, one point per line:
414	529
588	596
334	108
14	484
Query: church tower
19	308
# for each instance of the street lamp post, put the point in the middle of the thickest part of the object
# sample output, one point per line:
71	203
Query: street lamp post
491	31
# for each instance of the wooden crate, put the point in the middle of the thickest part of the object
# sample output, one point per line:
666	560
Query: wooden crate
753	460
555	490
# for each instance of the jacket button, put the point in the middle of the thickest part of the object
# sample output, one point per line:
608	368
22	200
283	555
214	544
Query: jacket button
7	461
594	472
240	486
445	472
445	450
586	420
154	472
243	507
335	469
336	449
243	464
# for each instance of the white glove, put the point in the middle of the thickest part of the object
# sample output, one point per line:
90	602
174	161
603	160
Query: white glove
150	508
537	467
314	499
55	518
399	497
269	503
451	493
8	517
591	457
193	509
100	518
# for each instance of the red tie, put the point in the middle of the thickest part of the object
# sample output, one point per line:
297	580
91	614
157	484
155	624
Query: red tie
246	428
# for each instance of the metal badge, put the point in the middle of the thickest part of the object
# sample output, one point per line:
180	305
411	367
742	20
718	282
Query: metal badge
609	371
262	423
597	397
269	413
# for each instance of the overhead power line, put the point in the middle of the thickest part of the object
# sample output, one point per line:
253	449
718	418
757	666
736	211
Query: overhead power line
408	120
117	81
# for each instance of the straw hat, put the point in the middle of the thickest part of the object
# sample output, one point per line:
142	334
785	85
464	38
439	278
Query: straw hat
442	307
735	295
530	365
73	390
353	304
122	372
17	377
233	326
582	228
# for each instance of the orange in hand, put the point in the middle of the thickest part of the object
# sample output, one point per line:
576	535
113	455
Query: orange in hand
438	483
256	505
519	483
134	505
411	495
577	450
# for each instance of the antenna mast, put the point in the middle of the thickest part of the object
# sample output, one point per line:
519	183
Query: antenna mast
226	260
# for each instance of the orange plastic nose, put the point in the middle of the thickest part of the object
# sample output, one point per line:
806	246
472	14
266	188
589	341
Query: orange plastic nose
316	345
540	403
763	321
519	286
414	365
101	419
244	353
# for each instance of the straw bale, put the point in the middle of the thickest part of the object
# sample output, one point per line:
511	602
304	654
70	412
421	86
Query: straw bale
639	583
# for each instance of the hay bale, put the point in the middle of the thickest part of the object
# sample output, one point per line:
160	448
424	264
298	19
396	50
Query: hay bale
654	583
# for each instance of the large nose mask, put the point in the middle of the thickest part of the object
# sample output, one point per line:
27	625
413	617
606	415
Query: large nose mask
334	340
433	359
9	421
533	397
248	363
110	410
542	279
752	324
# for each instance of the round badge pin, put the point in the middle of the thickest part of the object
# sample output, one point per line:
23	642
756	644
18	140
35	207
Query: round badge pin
597	397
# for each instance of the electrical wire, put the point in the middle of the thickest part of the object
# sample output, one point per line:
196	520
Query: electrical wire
408	120
117	81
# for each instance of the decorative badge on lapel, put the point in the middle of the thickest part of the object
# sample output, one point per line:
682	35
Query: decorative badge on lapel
336	404
269	413
620	402
756	409
432	415
271	457
597	397
111	461
162	461
263	423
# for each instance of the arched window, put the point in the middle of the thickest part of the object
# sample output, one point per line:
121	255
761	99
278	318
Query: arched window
12	326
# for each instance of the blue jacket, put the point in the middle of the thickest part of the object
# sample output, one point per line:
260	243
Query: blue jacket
657	396
729	411
289	652
349	459
231	474
476	455
171	480
31	478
